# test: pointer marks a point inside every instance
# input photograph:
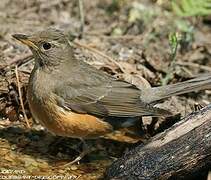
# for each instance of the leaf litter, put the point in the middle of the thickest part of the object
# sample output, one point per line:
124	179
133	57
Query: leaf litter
130	41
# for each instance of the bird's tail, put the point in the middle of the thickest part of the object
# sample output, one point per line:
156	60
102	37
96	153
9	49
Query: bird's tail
158	93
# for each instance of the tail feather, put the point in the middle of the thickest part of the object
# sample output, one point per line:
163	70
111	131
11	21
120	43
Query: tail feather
162	92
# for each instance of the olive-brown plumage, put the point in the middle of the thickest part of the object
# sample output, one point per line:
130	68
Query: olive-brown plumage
71	98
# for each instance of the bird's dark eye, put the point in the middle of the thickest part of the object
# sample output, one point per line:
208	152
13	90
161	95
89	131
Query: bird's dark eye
46	46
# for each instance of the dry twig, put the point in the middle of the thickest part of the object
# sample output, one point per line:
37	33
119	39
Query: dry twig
100	54
20	97
206	68
81	11
22	58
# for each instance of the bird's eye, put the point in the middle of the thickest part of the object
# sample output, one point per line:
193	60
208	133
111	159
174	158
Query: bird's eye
46	46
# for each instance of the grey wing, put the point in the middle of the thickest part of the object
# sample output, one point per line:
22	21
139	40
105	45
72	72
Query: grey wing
112	99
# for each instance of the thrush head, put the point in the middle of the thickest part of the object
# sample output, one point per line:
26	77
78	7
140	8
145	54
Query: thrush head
49	47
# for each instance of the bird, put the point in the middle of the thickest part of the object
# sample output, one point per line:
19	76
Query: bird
71	98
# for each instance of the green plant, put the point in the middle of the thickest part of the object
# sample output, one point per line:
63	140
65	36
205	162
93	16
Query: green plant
174	41
187	33
187	8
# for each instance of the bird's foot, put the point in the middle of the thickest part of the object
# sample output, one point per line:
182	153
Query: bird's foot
85	150
77	159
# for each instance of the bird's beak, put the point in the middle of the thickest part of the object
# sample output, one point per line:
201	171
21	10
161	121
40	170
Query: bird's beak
25	40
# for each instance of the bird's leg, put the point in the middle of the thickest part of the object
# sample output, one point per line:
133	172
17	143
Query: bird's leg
85	150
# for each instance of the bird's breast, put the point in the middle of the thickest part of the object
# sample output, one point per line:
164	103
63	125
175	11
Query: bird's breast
66	123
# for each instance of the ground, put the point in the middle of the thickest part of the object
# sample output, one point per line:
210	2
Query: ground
132	43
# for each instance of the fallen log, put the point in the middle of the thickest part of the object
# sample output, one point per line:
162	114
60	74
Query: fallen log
181	152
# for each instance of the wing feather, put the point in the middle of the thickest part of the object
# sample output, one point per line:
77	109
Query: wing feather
114	98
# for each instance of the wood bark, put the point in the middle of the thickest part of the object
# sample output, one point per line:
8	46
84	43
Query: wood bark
181	152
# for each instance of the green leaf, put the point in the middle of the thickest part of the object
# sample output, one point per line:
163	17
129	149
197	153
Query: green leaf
187	8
